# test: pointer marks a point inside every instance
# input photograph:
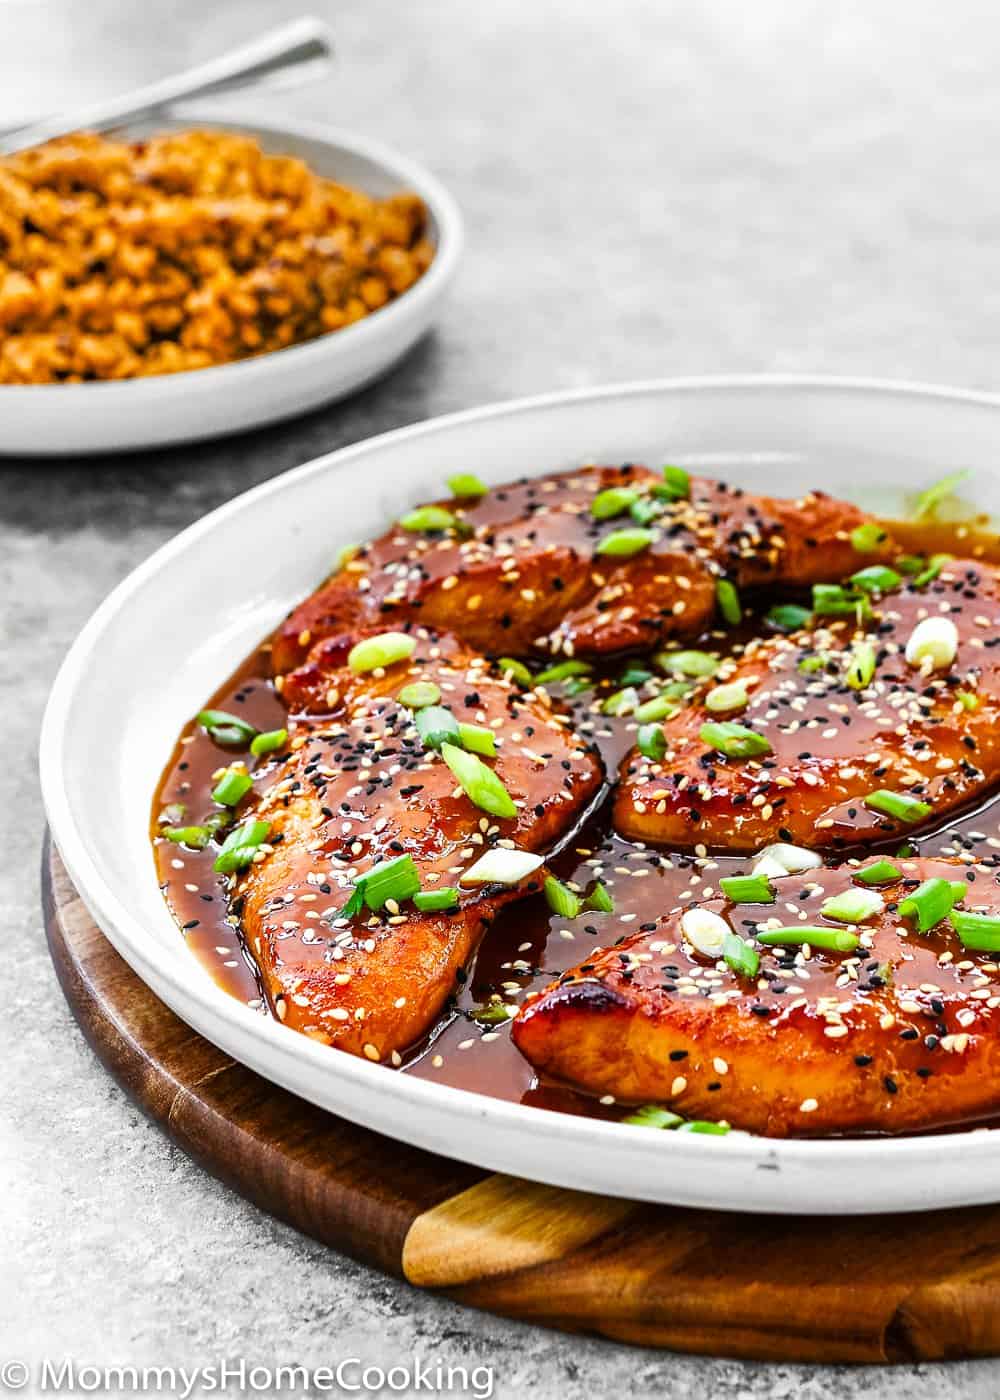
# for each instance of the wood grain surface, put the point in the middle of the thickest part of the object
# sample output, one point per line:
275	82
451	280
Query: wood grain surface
868	1289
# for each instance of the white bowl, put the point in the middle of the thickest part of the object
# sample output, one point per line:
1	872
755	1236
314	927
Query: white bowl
122	415
152	653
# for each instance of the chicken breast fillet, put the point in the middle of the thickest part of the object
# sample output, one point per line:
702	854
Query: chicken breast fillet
356	788
900	1034
929	737
522	568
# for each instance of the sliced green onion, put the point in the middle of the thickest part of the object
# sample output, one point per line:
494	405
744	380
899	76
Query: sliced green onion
197	837
576	685
624	543
428	519
867	538
501	866
929	500
728	600
467	486
651	741
726	699
931	901
880	872
860	665
561	671
477	739
928	574
702	1125
240	846
436	726
384	650
852	906
225	728
790	860
809	665
967	699
395	879
561	899
268	742
344	555
621	702
789	617
840	940
980	932
677	481
688	663
599	900
635	675
733	740
173	813
877	578
480	784
910	563
436	901
232	787
355	901
660	707
747	889
644	511
652	1115
831	600
738	954
899	805
516	669
494	1013
614	501
705	931
906	851
419	694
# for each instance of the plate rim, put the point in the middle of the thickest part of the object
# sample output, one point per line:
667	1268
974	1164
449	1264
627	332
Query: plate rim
409	1092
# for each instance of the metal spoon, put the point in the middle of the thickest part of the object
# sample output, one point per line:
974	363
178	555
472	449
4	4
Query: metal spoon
303	44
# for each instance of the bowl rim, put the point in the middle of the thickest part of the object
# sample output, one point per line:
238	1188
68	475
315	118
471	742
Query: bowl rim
449	243
408	1092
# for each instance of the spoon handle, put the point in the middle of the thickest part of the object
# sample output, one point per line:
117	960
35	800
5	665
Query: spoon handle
305	41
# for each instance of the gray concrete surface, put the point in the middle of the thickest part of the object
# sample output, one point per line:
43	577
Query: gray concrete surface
650	188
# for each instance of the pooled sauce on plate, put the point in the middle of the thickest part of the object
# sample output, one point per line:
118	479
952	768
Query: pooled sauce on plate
528	946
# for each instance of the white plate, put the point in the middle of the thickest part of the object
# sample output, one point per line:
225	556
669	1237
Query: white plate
154	651
119	416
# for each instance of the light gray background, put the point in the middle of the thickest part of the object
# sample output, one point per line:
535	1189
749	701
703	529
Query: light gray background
650	188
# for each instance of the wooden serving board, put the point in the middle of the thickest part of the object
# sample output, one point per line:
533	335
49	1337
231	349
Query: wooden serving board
875	1288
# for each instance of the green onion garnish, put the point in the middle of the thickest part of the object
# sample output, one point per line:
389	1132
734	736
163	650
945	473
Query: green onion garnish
910	563
599	900
677	481
931	901
477	739
478	782
634	675
934	566
621	702
419	694
906	851
860	665
660	707
852	906
644	511
809	665
436	726
269	741
232	787
831	600
733	740
614	501
517	670
494	1013
427	519
436	901
576	685
867	538
624	543
702	1125
651	742
561	899
877	578
344	555
840	940
688	663
395	879
240	846
652	1115
738	954
384	650
225	728
728	601
898	804
467	486
727	699
967	699
788	617
881	872
197	837
561	671
929	500
747	889
980	932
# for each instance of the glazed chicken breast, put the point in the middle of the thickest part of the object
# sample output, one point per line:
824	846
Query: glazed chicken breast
357	786
896	1029
582	563
856	734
